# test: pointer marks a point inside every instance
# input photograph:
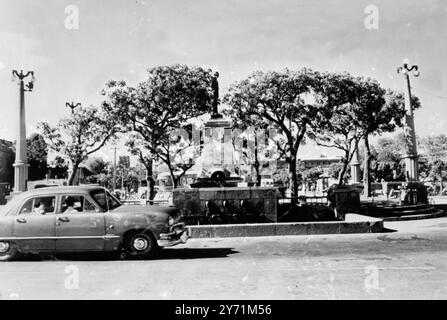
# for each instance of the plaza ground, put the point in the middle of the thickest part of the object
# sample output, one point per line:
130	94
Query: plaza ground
410	263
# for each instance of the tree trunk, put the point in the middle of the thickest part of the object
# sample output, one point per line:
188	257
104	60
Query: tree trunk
174	180
150	181
258	175
73	174
366	169
256	164
294	176
342	173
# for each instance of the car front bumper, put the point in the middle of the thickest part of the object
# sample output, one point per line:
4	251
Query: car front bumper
178	234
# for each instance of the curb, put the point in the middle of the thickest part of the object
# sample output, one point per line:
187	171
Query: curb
437	214
353	224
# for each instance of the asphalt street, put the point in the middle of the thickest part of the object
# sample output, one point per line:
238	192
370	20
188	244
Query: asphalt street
409	262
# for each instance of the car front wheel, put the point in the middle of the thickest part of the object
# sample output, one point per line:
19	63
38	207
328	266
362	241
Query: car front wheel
8	251
140	245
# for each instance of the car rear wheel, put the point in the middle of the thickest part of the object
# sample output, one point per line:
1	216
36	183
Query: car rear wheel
8	251
140	245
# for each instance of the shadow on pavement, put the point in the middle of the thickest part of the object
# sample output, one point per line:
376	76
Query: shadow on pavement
386	230
195	253
184	253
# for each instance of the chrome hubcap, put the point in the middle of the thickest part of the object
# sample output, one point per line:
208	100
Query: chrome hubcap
140	244
4	247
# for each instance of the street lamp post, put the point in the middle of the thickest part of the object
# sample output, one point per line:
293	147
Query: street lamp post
72	105
21	163
411	156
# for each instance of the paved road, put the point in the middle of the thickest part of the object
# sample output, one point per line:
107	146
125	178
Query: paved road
408	264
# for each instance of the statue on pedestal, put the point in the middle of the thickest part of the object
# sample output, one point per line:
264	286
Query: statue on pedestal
215	86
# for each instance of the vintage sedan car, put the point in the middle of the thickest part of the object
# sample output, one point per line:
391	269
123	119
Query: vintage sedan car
85	219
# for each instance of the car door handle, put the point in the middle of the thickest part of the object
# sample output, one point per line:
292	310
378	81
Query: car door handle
63	219
21	220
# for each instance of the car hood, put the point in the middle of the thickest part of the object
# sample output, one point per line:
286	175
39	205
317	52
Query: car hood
154	210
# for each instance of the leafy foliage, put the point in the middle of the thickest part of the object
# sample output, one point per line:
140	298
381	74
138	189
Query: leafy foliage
340	122
159	106
386	159
58	168
277	101
312	175
435	150
83	133
37	153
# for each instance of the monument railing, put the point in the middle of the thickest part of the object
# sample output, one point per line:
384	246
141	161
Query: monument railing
311	200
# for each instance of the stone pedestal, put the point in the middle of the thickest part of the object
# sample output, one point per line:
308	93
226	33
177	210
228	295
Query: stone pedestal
344	199
239	203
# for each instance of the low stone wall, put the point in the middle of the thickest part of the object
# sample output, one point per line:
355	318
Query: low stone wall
353	224
239	201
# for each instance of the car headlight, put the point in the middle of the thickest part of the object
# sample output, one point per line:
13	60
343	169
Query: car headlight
171	220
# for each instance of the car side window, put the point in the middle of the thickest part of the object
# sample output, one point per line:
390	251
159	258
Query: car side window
89	206
39	205
77	204
28	207
72	204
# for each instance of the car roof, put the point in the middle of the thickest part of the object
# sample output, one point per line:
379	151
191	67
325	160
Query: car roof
62	189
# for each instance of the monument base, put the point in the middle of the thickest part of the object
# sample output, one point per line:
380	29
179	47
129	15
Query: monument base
227	204
344	199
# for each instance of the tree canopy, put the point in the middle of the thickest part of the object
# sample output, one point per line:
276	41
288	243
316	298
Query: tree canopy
280	102
77	136
157	108
37	153
339	122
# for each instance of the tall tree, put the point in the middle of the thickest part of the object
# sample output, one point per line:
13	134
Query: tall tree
98	168
139	148
278	101
58	168
386	158
37	153
157	108
79	135
435	149
339	121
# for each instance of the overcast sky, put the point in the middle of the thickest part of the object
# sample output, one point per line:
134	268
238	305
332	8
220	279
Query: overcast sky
119	39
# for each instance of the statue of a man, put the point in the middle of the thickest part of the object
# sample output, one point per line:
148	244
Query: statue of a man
215	87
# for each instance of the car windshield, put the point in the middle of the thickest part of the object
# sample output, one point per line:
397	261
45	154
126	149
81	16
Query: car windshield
105	199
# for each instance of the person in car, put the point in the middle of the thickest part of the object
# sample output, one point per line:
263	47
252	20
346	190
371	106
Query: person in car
69	202
39	207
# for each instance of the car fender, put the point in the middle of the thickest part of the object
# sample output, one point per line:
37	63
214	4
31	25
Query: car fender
118	223
6	227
